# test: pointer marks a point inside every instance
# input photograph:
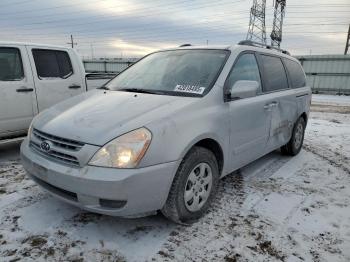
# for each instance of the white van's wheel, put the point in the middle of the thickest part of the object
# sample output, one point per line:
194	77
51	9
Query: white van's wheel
198	187
194	186
295	144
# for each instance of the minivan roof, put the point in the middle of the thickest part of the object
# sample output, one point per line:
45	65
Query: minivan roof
236	47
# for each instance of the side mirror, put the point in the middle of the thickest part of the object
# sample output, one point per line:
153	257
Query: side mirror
243	89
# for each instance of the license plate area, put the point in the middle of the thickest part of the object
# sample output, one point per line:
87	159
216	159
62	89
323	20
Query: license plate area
39	171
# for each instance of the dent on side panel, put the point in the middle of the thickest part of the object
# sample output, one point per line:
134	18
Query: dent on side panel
284	115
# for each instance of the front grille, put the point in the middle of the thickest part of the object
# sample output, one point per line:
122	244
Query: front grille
61	148
55	155
58	141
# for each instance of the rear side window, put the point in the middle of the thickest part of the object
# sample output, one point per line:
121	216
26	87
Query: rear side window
274	74
296	73
52	63
11	68
246	68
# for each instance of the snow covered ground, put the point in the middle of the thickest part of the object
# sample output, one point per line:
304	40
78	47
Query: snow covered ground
329	103
331	100
276	209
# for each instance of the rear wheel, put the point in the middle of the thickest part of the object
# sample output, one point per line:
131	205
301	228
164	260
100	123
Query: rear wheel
194	186
295	144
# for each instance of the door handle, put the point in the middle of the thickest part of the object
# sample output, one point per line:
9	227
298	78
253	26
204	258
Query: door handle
271	105
24	89
74	86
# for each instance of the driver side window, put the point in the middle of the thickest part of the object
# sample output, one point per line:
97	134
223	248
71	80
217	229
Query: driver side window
246	68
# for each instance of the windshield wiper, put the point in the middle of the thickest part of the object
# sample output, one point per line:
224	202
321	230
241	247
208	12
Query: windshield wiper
140	90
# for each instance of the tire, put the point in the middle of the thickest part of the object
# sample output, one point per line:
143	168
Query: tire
295	143
189	179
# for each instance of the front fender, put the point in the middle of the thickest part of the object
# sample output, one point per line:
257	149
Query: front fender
173	137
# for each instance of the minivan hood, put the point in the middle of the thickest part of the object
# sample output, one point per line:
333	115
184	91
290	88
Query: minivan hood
99	116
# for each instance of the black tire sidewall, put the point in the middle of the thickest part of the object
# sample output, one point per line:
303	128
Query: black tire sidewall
197	156
294	149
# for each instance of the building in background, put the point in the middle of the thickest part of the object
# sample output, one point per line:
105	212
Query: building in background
107	65
327	74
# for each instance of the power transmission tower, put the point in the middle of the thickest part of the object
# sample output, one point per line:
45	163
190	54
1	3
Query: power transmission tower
276	34
72	43
347	43
257	29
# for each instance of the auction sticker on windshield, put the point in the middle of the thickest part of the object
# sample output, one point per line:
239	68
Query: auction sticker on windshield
190	89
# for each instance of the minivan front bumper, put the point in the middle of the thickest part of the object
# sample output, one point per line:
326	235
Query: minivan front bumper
116	192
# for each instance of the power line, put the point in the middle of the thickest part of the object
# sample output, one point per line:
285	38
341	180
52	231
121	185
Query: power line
171	36
65	12
142	27
109	8
165	33
17	3
126	31
54	26
142	10
48	8
116	19
68	12
90	17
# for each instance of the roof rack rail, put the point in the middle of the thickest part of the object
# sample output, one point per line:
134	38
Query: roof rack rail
185	45
257	44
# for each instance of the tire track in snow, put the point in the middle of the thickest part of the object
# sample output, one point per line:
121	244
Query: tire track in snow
333	158
228	213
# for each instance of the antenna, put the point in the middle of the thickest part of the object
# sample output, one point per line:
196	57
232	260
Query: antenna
347	42
276	34
257	30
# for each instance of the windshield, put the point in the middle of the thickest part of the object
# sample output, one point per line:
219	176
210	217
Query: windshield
178	72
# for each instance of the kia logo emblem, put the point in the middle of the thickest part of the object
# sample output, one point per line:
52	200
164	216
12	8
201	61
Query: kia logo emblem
45	146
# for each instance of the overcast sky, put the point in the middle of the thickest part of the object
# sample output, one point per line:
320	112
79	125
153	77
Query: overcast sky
132	28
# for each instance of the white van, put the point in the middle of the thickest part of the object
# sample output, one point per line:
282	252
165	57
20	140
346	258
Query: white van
161	134
32	78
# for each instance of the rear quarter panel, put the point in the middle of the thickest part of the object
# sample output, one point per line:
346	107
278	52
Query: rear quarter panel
303	100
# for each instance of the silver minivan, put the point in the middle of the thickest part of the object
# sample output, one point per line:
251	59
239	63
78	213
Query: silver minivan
161	134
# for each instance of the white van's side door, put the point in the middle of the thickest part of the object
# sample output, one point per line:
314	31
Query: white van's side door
17	91
57	75
249	120
283	107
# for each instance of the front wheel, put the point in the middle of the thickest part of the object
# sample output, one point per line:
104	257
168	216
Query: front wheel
193	188
295	144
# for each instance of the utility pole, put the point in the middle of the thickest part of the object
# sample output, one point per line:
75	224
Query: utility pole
92	51
276	34
347	45
257	29
72	43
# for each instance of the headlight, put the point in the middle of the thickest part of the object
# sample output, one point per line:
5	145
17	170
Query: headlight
125	151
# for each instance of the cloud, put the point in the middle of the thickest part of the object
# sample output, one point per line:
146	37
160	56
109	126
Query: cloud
135	27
